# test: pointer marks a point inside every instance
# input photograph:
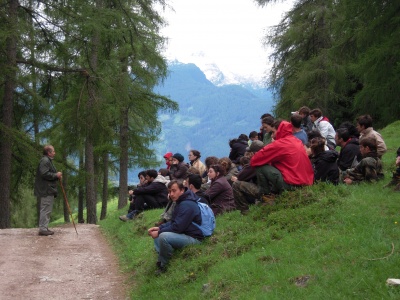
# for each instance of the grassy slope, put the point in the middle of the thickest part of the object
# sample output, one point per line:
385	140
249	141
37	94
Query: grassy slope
318	242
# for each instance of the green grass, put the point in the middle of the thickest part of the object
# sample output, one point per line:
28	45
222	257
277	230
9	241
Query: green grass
320	242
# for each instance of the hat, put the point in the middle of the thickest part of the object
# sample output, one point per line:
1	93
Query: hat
168	155
178	156
255	146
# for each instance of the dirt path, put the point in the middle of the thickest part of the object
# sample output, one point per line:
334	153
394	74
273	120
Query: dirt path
62	266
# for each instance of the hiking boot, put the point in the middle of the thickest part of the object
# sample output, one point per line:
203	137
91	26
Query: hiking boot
160	270
268	199
51	232
45	232
124	218
395	180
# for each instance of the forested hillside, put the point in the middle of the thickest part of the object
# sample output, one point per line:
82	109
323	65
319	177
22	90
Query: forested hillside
340	56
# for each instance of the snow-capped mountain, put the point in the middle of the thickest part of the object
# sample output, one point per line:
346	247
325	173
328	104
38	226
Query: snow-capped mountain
220	75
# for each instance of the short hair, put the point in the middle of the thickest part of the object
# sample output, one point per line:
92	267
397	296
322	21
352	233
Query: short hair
313	134
195	153
243	137
343	133
296	120
316	112
253	134
218	169
268	120
141	173
265	115
192	170
152	173
164	172
369	142
177	182
210	160
47	149
277	123
353	132
195	180
226	164
304	110
317	145
244	160
365	120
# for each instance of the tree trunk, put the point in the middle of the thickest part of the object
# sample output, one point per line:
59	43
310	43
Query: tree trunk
123	160
103	213
81	191
65	185
7	116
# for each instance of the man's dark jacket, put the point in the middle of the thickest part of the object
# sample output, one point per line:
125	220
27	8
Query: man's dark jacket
156	189
186	211
348	153
46	178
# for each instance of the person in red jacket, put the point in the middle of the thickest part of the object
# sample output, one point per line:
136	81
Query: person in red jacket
282	164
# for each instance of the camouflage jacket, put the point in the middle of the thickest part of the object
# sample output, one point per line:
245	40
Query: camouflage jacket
368	169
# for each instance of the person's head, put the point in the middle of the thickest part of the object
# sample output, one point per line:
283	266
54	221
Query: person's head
226	164
267	122
363	122
315	114
243	137
367	145
342	136
151	175
215	171
177	158
49	151
244	161
164	172
265	115
210	160
275	127
313	134
175	189
255	146
253	135
168	157
317	145
193	155
304	111
296	120
193	170
353	132
142	177
194	182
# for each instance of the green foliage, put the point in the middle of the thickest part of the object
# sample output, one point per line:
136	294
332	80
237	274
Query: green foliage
323	241
338	56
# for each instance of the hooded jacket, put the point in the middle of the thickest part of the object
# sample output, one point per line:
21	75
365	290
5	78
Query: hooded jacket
288	155
325	167
186	211
348	153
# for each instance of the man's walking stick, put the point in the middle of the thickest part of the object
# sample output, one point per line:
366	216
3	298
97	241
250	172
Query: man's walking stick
66	202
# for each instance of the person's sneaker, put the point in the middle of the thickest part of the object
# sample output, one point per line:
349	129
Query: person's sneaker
45	232
268	199
124	218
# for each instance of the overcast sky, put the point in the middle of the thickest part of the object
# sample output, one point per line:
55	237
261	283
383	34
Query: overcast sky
227	32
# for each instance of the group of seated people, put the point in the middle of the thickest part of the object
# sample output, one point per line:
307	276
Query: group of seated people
284	155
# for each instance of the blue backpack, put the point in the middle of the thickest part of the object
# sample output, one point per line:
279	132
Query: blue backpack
207	219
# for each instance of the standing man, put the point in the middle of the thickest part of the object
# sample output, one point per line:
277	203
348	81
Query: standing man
180	231
46	188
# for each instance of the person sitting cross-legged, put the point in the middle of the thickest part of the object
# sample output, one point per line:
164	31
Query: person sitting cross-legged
282	164
369	168
180	231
